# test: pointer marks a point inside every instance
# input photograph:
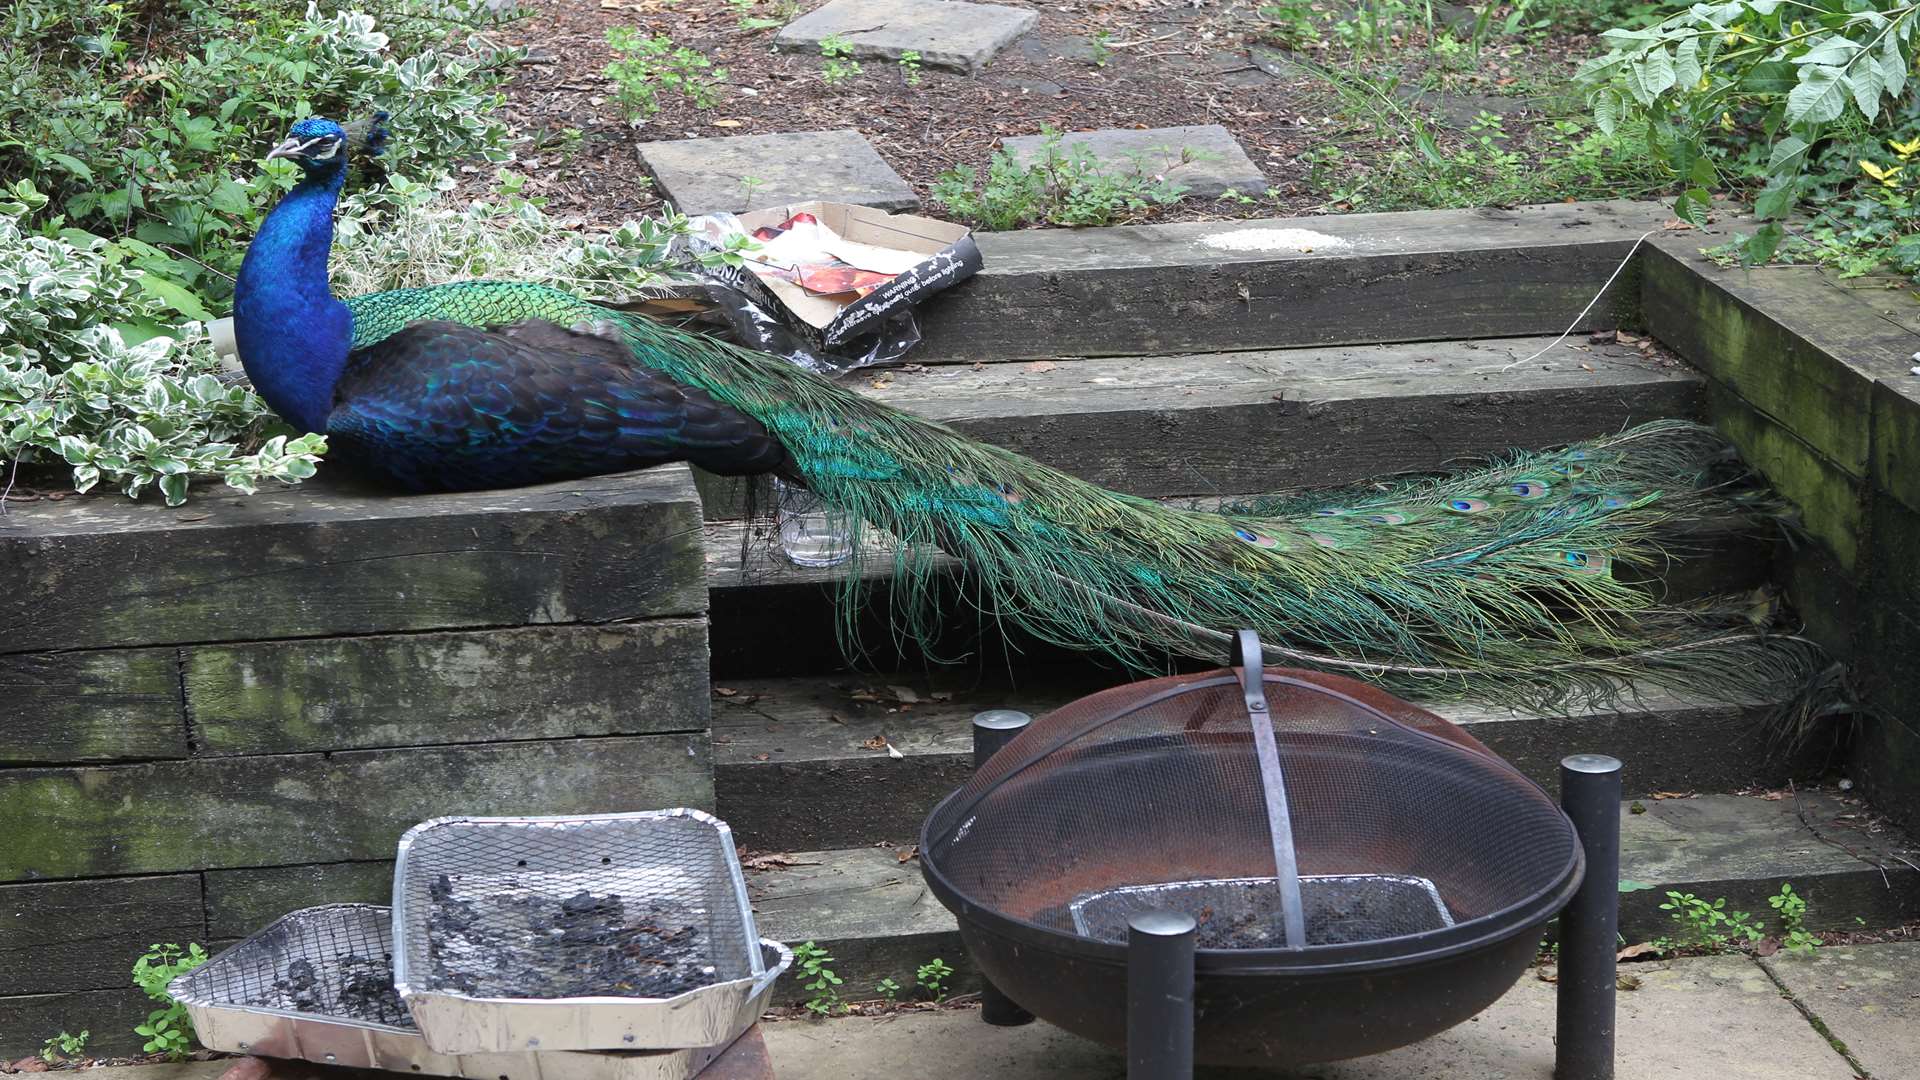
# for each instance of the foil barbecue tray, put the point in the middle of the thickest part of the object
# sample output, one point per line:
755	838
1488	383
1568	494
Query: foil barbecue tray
605	932
1243	913
316	985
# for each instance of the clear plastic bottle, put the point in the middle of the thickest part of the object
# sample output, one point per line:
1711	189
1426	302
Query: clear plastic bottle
811	532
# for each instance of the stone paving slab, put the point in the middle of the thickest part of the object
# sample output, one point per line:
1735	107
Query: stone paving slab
958	36
1868	996
1717	1017
1204	157
706	176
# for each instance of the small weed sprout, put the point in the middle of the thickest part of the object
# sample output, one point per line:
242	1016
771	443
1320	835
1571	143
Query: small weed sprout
648	65
888	989
910	67
1289	24
1101	49
1792	909
840	64
64	1047
778	14
1707	925
168	1029
932	977
749	185
819	979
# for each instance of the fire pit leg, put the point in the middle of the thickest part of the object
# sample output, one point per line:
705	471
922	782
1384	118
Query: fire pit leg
992	730
1589	927
1160	948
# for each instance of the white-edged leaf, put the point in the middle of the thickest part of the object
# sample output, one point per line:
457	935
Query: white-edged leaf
1606	112
1892	65
1833	50
1819	98
174	487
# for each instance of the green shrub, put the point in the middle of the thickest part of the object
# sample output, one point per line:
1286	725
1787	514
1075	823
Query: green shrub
144	121
648	65
90	375
1061	187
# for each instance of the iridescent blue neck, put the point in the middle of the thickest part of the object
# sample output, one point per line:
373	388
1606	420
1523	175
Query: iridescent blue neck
292	335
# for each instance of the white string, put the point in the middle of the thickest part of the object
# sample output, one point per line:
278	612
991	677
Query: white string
1575	324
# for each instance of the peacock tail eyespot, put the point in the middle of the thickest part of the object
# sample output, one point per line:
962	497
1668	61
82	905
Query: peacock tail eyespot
1389	519
1467	506
1529	489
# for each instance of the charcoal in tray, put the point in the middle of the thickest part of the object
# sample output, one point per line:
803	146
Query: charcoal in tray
525	943
349	987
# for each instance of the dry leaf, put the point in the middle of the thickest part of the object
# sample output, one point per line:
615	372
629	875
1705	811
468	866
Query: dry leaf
1673	794
725	691
904	694
1645	948
1547	975
1626	982
942	695
1039	366
760	757
864	694
878	742
770	862
726	123
1766	948
906	854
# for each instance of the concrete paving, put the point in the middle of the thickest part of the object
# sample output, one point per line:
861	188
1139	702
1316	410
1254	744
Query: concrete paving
1868	996
959	36
752	172
1205	157
1714	1018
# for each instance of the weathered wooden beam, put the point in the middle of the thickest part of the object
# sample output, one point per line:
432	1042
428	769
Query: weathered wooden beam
104	705
85	935
1793	344
1896	438
1831	498
26	1021
301	808
328	558
450	687
241	902
1197	286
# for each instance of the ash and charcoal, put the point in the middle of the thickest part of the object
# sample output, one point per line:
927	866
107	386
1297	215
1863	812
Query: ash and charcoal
350	987
1245	914
523	943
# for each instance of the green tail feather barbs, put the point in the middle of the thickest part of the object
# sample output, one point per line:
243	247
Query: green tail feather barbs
1508	579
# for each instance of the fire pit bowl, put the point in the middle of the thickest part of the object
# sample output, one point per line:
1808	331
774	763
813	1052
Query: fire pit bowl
1380	877
603	932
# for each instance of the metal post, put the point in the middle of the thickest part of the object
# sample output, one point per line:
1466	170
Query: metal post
992	730
1160	996
1589	927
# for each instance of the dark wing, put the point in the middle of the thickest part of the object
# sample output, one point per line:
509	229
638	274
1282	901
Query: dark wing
442	406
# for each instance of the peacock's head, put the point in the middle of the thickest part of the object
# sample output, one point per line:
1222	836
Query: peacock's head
321	147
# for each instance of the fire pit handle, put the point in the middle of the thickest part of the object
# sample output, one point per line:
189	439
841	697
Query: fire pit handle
1286	866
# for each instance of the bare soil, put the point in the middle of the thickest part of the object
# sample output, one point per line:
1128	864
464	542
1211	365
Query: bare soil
1166	63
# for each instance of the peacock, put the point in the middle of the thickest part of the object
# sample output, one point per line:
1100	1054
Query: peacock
1507	579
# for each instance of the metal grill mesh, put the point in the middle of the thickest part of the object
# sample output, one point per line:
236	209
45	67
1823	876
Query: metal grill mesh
631	905
1157	784
334	961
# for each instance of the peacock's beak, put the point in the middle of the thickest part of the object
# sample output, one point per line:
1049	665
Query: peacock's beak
292	148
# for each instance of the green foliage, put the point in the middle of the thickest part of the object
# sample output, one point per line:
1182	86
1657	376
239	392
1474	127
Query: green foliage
90	374
1487	165
1792	909
838	54
932	977
141	122
651	64
1289	24
817	978
910	67
1707	925
888	989
1060	187
779	13
64	1046
168	1029
1795	70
